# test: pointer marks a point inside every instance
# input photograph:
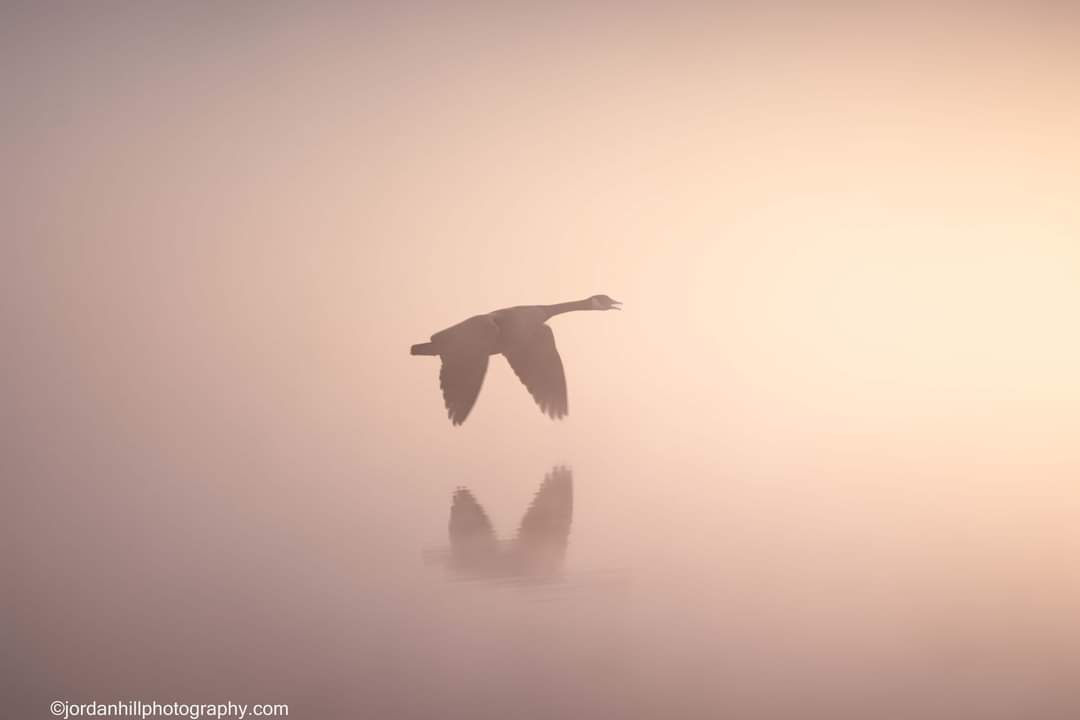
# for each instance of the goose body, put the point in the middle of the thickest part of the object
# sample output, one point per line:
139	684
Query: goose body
521	334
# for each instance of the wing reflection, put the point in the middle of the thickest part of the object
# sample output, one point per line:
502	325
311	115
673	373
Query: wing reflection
536	553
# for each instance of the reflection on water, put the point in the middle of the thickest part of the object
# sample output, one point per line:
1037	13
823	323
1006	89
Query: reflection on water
536	554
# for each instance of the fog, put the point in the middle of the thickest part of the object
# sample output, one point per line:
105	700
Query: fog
824	462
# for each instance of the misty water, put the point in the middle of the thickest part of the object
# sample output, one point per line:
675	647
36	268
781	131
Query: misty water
265	573
823	463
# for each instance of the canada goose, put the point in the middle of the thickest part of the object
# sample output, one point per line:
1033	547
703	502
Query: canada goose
521	334
538	550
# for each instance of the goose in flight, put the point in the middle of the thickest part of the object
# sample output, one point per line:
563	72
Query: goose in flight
538	550
519	333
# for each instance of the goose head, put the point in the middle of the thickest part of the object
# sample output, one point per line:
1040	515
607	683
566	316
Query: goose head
603	302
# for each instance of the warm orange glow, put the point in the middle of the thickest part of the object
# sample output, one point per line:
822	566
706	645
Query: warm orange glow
832	437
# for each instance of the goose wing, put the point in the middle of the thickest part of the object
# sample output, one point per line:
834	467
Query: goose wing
460	378
537	364
465	350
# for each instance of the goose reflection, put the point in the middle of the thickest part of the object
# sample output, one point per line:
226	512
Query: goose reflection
537	552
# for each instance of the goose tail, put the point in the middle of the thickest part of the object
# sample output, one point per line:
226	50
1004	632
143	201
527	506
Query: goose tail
423	349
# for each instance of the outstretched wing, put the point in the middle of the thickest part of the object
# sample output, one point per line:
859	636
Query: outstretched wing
460	378
464	349
546	524
537	364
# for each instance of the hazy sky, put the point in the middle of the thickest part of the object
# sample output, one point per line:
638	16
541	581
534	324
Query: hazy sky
848	244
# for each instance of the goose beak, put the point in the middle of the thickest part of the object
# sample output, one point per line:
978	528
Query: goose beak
614	303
